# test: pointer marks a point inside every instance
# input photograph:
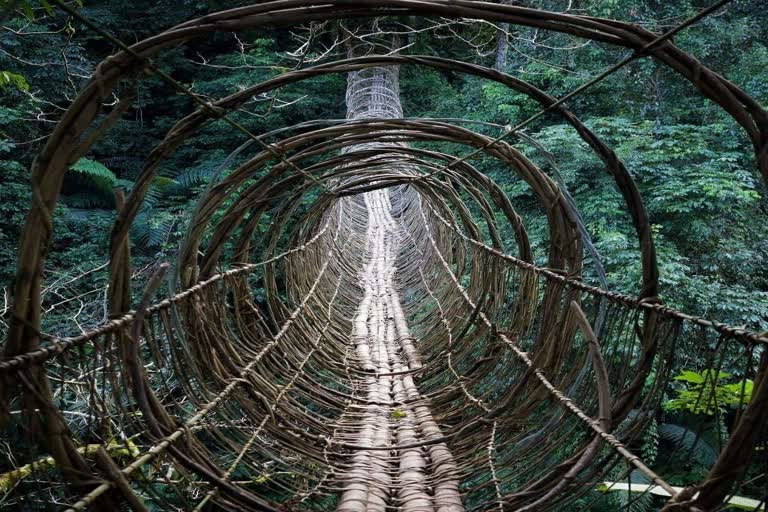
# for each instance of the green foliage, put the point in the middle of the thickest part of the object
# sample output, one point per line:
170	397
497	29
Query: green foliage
649	450
152	229
28	7
688	443
14	196
688	447
702	196
641	503
96	173
510	105
25	7
8	79
704	393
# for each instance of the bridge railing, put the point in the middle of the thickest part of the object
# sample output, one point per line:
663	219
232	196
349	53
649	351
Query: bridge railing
683	390
513	364
146	393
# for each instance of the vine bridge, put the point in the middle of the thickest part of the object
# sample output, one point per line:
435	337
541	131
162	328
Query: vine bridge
402	358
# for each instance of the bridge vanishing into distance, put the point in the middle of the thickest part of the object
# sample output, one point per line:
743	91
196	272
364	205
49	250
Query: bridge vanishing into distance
404	356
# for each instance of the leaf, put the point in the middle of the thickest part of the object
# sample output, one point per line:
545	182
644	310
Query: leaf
104	179
736	389
397	414
192	177
705	394
710	374
48	8
690	376
23	6
13	80
688	442
163	181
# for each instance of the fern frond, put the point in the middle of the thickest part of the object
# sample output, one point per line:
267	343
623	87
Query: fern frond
160	232
141	229
162	182
149	233
687	442
190	178
96	173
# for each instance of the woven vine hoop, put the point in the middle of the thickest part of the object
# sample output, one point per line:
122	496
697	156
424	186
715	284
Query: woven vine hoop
437	195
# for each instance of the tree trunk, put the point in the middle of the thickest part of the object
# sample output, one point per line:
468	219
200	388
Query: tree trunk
502	42
502	47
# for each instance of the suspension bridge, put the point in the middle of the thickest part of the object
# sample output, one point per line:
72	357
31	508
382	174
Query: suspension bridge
403	357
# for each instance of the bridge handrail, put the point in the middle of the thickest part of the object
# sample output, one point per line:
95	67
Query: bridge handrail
58	345
741	334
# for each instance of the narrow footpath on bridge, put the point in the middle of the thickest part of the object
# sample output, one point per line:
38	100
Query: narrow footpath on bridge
395	413
423	477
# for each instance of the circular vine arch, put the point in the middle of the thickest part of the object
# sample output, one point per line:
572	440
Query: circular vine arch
74	134
68	140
